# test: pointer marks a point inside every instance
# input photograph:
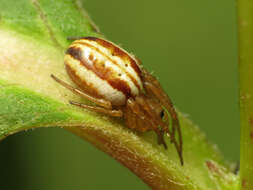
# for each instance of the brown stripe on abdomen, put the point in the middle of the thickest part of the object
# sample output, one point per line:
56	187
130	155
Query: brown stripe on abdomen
104	73
117	51
113	61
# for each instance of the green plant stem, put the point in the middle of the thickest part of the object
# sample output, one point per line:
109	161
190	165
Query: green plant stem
245	18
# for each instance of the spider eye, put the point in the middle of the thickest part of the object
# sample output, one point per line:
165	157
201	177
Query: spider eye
162	113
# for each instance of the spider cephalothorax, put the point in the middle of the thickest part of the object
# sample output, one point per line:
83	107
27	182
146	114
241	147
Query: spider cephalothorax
115	80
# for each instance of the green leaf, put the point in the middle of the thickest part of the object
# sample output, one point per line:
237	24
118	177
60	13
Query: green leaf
34	36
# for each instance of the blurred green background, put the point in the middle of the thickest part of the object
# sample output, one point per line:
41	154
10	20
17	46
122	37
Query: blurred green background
190	45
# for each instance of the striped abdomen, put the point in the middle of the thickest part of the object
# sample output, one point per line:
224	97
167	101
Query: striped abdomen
103	69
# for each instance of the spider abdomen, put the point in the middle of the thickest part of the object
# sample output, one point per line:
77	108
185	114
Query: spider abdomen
103	69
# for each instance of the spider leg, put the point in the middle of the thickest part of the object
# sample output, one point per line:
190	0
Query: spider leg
157	121
130	118
147	106
136	113
166	120
154	88
138	108
102	102
135	108
114	113
160	138
164	123
175	123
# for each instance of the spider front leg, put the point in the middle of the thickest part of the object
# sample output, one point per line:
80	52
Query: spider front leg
167	103
154	89
137	116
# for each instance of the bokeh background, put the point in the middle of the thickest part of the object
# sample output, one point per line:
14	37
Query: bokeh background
190	45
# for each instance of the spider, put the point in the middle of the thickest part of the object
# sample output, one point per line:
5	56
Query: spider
118	84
